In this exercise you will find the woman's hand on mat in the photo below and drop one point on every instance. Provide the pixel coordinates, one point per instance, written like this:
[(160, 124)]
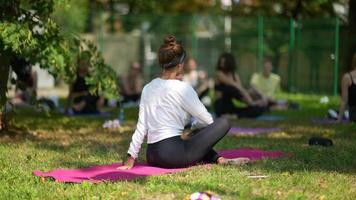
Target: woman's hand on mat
[(130, 162)]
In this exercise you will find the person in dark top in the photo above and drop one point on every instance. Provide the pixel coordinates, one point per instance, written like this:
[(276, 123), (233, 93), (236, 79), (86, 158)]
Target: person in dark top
[(348, 93), (228, 87), (79, 98), (26, 83), (197, 79)]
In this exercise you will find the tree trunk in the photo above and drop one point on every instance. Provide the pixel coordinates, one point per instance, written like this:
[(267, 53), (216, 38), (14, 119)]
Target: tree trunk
[(349, 40), (4, 71)]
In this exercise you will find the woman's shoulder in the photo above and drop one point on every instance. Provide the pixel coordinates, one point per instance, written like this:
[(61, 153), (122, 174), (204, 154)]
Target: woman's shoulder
[(275, 76), (170, 84), (180, 88), (221, 74), (180, 84), (346, 77)]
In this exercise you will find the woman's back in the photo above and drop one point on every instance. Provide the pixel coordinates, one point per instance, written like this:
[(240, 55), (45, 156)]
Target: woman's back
[(167, 106), (352, 91)]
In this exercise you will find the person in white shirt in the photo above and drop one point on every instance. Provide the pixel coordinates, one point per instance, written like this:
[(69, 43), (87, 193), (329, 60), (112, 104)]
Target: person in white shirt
[(166, 107), (197, 79), (131, 84)]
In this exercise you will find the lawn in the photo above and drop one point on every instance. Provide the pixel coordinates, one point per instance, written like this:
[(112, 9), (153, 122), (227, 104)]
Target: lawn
[(46, 142)]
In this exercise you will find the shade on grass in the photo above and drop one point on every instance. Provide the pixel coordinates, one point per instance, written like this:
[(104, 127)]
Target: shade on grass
[(57, 141)]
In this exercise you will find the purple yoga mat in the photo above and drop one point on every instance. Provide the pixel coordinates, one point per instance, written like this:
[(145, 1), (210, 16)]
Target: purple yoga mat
[(250, 131), (105, 173)]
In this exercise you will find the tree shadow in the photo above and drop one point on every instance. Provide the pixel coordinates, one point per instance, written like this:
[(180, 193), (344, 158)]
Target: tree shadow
[(299, 155), (293, 141)]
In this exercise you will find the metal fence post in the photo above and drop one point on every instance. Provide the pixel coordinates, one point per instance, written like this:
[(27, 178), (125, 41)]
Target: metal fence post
[(260, 43), (101, 32), (227, 32), (291, 52), (194, 37), (336, 55)]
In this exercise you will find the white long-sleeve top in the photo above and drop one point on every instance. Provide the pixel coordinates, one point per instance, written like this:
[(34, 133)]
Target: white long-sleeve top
[(166, 106)]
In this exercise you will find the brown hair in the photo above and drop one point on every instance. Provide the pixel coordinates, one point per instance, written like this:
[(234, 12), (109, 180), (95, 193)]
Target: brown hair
[(354, 61), (267, 59), (226, 63), (171, 53)]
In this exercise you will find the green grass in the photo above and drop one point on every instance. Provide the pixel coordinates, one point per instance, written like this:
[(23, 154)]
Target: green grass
[(56, 141)]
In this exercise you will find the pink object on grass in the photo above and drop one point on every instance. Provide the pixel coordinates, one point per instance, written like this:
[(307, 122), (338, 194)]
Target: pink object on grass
[(105, 173)]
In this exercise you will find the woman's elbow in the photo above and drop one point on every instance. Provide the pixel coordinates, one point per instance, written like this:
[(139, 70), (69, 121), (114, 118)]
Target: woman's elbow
[(343, 103)]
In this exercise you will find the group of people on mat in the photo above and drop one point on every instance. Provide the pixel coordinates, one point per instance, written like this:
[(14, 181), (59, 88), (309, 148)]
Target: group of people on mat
[(82, 102), (259, 98), (228, 88)]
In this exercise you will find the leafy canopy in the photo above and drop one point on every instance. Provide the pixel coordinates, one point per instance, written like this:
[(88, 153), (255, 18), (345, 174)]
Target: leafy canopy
[(28, 31)]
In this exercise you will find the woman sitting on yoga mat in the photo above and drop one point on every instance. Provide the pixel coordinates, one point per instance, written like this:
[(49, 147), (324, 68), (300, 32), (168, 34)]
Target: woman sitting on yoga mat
[(166, 106), (348, 93), (79, 100), (228, 87)]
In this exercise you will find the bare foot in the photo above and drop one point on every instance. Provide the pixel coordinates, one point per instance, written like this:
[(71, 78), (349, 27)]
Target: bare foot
[(233, 161)]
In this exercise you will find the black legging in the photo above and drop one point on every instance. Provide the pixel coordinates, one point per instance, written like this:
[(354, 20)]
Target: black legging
[(352, 113), (175, 153), (224, 104), (132, 97), (90, 104)]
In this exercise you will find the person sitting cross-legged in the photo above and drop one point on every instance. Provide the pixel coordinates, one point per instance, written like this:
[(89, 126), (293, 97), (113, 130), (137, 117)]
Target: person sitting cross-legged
[(266, 84), (348, 93), (228, 87), (166, 107), (79, 100)]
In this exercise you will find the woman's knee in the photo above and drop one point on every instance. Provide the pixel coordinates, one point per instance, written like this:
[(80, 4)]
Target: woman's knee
[(223, 123)]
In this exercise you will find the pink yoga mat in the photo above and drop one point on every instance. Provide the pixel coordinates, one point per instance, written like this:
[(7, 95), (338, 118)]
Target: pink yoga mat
[(250, 131), (105, 173)]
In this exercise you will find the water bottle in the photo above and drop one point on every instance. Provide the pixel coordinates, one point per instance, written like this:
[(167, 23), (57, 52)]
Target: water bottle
[(121, 115)]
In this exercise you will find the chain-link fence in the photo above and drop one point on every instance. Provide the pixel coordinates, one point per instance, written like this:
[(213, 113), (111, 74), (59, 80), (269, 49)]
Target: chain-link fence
[(304, 53)]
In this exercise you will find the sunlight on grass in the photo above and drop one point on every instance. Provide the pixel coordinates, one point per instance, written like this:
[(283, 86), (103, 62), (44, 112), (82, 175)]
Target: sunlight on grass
[(55, 141)]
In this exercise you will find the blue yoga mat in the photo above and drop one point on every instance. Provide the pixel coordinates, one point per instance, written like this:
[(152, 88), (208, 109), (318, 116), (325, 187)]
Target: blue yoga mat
[(271, 118), (97, 114)]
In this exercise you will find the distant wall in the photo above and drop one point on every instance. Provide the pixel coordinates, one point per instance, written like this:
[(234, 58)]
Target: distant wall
[(118, 49)]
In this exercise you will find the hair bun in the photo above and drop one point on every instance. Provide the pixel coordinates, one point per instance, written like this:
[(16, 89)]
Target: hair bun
[(170, 40)]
